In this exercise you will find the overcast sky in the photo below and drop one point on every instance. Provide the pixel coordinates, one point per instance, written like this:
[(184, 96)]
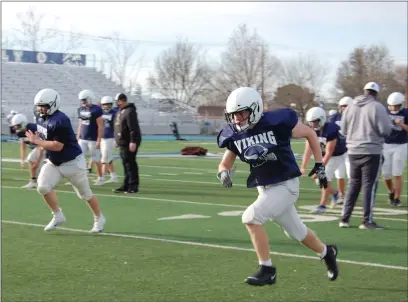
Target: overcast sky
[(330, 30)]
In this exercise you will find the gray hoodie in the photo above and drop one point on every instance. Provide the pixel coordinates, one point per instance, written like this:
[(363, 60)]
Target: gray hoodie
[(365, 123)]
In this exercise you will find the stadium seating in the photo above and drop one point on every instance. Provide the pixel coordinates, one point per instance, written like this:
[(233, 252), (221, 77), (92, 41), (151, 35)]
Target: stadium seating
[(21, 81)]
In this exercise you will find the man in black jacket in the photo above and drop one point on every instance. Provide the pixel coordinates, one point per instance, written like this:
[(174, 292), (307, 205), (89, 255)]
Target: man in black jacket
[(128, 138)]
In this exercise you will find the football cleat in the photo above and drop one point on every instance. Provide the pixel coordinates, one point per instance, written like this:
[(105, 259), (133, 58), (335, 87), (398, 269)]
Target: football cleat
[(57, 220), (331, 262), (266, 275), (99, 224)]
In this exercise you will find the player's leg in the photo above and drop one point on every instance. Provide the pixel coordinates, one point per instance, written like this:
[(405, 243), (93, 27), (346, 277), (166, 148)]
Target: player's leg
[(48, 178), (399, 159), (297, 230), (76, 172), (340, 175), (353, 190), (107, 158), (331, 166), (96, 158), (272, 201), (32, 159), (387, 170)]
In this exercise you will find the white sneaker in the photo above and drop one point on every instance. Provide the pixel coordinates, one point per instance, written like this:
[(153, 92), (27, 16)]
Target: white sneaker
[(57, 220), (99, 223), (30, 185), (99, 182), (113, 179), (344, 224)]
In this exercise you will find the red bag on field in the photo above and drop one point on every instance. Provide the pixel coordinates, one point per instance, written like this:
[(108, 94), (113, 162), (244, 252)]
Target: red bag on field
[(193, 151)]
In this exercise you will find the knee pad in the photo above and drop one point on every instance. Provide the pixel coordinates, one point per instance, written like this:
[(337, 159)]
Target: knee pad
[(43, 189), (250, 216), (297, 233), (85, 195)]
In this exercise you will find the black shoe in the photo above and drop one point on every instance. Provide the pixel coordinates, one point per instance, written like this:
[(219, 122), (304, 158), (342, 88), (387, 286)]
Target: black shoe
[(265, 275), (119, 190), (331, 263), (132, 191), (90, 170), (391, 198), (366, 225), (396, 203)]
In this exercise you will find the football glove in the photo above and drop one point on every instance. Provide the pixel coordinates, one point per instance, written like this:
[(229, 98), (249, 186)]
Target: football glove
[(226, 178), (319, 170)]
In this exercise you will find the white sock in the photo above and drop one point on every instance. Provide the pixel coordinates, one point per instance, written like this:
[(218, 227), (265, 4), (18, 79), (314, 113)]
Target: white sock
[(322, 254), (113, 174), (266, 262)]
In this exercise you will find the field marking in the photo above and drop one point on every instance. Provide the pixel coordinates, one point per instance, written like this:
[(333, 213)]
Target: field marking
[(227, 247), (193, 173), (209, 183), (300, 211), (168, 174)]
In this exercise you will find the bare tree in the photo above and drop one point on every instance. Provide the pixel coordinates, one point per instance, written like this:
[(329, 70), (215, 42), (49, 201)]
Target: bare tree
[(181, 74), (30, 32), (297, 97), (401, 76), (120, 54), (366, 64), (6, 41), (307, 71), (246, 62)]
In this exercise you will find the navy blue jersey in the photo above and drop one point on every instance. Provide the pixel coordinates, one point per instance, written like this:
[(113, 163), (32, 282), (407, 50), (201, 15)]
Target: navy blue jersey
[(21, 135), (335, 118), (57, 127), (108, 121), (398, 135), (89, 127), (331, 131), (266, 148)]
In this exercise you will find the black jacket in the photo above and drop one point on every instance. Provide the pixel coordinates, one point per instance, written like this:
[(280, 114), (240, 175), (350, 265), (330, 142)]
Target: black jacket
[(127, 129)]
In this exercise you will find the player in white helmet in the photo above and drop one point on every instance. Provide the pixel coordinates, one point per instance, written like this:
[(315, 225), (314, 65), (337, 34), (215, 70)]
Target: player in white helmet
[(36, 156), (262, 140), (108, 140), (395, 148), (333, 148), (65, 159), (90, 130), (332, 112), (9, 117)]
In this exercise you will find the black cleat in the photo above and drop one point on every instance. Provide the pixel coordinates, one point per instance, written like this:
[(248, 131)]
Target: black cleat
[(366, 225), (391, 198), (396, 203), (331, 263), (265, 275), (119, 190)]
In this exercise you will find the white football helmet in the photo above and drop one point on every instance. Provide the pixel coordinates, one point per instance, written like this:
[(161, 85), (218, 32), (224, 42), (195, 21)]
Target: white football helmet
[(345, 101), (13, 112), (332, 112), (47, 97), (241, 99), (106, 100), (395, 99), (19, 121), (316, 114), (372, 86), (86, 96)]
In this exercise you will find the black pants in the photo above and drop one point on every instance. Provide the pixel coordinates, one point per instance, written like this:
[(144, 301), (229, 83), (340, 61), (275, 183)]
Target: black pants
[(130, 167), (364, 173)]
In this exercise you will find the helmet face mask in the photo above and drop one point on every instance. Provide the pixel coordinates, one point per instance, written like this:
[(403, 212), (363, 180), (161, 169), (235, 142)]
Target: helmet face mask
[(239, 120), (316, 118), (395, 101), (46, 102)]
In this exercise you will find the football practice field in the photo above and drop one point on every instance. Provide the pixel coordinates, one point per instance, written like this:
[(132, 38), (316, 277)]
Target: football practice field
[(181, 239)]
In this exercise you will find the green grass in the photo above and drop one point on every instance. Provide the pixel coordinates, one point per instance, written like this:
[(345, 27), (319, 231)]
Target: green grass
[(142, 258)]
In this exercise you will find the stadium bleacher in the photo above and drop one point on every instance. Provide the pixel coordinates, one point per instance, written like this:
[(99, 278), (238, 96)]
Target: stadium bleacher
[(21, 82)]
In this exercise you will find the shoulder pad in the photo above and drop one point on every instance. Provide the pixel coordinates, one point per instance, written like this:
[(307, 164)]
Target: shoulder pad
[(223, 137)]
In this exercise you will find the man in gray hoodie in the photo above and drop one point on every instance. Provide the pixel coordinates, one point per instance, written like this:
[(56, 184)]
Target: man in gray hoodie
[(365, 124)]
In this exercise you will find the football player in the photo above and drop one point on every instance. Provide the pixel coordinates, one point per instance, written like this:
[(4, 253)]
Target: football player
[(108, 140), (9, 117), (90, 130), (36, 156), (54, 133), (333, 148), (344, 169), (395, 147), (262, 139)]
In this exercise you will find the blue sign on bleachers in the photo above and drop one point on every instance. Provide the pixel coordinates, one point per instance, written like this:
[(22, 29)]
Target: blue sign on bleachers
[(42, 57)]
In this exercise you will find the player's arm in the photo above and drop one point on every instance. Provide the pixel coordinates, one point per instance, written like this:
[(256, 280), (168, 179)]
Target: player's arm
[(227, 161), (306, 157), (99, 123), (23, 149), (40, 158), (303, 131), (59, 135), (330, 146), (79, 129)]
